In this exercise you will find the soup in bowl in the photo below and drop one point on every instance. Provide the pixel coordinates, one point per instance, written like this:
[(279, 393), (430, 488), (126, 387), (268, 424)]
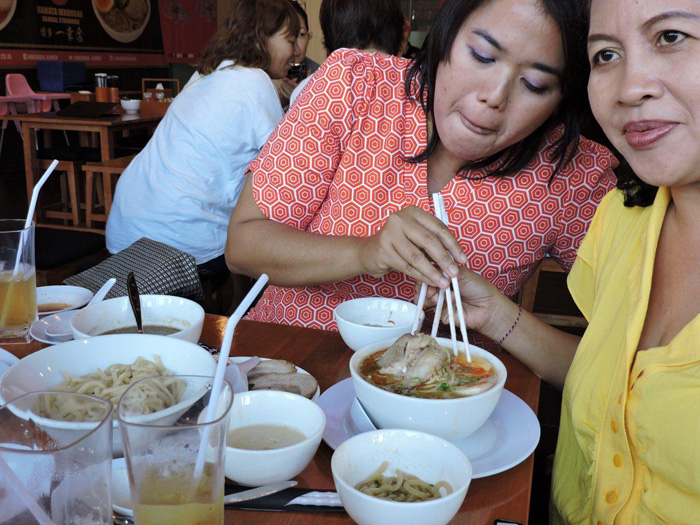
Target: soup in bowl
[(416, 383)]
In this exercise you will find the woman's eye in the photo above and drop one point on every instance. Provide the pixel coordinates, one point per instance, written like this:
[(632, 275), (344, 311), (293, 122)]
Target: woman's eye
[(480, 58), (604, 56), (668, 38), (538, 90)]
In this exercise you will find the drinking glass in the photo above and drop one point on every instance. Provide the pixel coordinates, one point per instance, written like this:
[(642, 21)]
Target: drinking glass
[(55, 469), (17, 281), (163, 447)]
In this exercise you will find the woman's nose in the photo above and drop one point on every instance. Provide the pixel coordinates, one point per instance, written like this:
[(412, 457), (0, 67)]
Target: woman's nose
[(637, 84), (495, 93)]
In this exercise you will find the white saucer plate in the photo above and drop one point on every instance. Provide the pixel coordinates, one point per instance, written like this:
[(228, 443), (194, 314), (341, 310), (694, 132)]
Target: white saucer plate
[(38, 328), (507, 438), (6, 361), (72, 296), (242, 359)]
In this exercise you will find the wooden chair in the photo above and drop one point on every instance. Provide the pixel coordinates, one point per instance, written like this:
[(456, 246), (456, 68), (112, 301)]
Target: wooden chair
[(109, 172), (69, 206), (529, 293)]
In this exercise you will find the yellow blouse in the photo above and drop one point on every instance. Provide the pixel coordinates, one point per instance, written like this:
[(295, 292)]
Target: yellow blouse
[(629, 441)]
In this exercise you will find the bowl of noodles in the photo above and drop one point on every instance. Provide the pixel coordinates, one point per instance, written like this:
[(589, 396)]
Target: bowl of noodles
[(105, 367), (123, 20), (416, 383), (400, 476)]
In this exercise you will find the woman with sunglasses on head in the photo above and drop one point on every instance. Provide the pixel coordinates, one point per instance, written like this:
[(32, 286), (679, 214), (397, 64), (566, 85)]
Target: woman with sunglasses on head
[(181, 189), (489, 115), (630, 421)]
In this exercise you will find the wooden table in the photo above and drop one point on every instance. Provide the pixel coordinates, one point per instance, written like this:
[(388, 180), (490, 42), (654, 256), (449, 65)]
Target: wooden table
[(105, 128), (326, 357)]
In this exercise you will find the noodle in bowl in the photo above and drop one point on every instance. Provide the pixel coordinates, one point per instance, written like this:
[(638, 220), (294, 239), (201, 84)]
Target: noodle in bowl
[(451, 419), (428, 457), (44, 371)]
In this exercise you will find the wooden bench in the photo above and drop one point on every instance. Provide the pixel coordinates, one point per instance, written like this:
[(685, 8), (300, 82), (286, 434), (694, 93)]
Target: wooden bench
[(110, 171)]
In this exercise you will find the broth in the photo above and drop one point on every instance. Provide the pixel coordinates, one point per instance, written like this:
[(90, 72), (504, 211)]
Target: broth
[(459, 378), (264, 437), (147, 329), (52, 307)]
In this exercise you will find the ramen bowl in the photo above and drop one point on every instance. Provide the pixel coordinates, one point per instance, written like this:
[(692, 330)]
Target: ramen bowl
[(269, 407), (451, 419), (43, 370), (370, 319), (130, 106), (108, 14), (430, 458), (183, 316)]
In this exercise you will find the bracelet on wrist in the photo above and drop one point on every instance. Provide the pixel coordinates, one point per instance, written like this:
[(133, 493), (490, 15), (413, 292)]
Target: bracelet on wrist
[(512, 327)]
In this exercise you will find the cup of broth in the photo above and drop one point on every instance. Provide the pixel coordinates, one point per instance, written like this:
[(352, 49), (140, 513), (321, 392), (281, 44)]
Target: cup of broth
[(18, 308), (176, 468)]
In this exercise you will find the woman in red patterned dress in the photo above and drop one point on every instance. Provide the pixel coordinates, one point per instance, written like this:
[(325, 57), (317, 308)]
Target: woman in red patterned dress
[(337, 204)]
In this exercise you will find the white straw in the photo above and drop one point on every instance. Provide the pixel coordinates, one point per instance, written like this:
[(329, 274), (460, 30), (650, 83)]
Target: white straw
[(419, 307), (30, 213), (221, 369), (28, 500), (438, 313)]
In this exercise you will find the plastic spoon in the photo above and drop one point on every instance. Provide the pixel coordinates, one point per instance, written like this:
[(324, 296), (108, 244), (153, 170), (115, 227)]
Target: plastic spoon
[(61, 331)]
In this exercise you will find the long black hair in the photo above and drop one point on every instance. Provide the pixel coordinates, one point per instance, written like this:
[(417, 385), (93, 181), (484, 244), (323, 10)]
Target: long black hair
[(569, 15)]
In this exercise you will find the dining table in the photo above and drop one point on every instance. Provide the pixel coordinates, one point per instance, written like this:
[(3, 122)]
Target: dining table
[(106, 128), (324, 355)]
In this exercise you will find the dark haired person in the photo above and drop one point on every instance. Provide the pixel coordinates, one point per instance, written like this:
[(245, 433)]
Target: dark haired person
[(368, 25), (338, 204), (627, 451), (181, 189)]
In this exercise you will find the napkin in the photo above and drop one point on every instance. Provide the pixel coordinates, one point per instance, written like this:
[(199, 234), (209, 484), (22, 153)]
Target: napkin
[(292, 500)]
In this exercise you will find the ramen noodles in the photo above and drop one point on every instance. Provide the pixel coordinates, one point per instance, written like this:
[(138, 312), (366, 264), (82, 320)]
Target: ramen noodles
[(124, 16), (403, 487), (110, 384)]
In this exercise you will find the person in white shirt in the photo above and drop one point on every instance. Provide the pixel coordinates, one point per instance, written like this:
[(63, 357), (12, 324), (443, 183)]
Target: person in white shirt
[(367, 25), (181, 189)]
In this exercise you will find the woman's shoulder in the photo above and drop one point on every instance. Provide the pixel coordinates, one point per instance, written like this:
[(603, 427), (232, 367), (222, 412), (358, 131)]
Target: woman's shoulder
[(360, 62)]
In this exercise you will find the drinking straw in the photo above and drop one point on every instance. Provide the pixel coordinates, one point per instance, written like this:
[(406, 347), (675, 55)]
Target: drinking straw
[(28, 500), (455, 286), (30, 213), (419, 307), (220, 370)]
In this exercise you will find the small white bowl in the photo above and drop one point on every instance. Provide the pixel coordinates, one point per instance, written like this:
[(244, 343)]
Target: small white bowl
[(71, 296), (159, 310), (451, 419), (430, 458), (131, 106), (260, 467), (43, 370), (370, 319)]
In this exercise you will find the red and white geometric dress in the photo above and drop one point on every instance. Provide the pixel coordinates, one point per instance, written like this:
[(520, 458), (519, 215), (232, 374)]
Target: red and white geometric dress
[(336, 165)]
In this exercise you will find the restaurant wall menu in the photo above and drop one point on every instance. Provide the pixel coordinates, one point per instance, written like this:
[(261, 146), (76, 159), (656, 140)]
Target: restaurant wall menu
[(108, 32)]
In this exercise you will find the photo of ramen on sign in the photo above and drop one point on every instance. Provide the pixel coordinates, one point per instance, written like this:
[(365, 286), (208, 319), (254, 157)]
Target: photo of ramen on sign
[(123, 20)]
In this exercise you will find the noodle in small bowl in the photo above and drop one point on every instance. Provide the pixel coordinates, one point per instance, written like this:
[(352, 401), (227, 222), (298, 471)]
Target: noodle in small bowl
[(428, 457), (449, 418), (44, 371)]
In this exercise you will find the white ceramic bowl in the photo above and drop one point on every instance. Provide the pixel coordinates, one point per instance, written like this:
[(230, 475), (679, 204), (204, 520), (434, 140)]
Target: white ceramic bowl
[(451, 419), (430, 458), (370, 319), (43, 370), (260, 467), (122, 36), (161, 310), (131, 106), (71, 296)]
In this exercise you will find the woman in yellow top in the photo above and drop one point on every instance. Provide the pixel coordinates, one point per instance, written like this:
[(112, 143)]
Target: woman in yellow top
[(628, 449)]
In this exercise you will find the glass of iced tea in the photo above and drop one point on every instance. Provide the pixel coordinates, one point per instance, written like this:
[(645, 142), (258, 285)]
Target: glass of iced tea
[(164, 443), (17, 281)]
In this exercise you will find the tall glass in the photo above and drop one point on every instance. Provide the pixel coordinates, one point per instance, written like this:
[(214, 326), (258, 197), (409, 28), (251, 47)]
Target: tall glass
[(17, 281), (163, 447), (54, 469)]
